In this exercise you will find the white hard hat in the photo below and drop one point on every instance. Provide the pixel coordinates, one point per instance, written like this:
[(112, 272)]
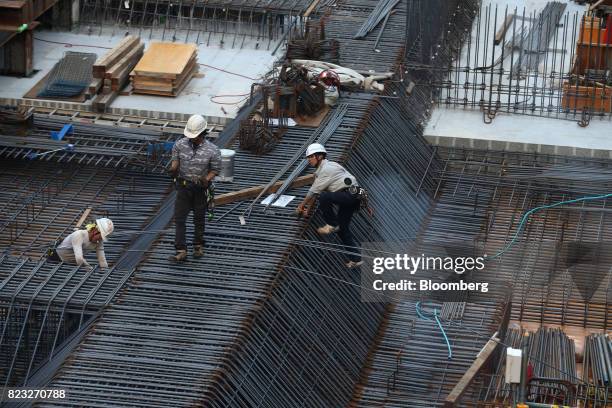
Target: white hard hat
[(105, 226), (195, 125), (315, 148)]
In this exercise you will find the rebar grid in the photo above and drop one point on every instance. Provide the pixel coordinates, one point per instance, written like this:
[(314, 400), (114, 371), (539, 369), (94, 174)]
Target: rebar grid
[(205, 304), (42, 302), (536, 69), (94, 145), (229, 23)]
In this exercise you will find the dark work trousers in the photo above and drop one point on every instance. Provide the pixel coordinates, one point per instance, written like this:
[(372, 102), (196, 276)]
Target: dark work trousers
[(347, 205), (189, 198)]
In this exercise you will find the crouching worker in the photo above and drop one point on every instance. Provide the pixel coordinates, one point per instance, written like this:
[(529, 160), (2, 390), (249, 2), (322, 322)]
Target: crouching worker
[(75, 245), (333, 185)]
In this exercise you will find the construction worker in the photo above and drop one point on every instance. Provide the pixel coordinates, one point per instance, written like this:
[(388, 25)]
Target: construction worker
[(75, 245), (332, 185), (195, 162)]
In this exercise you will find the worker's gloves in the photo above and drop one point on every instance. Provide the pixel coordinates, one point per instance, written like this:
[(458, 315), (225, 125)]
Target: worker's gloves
[(204, 182), (302, 211), (200, 181)]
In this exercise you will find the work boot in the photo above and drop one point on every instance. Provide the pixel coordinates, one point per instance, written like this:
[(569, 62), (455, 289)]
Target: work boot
[(327, 229), (198, 251), (180, 255)]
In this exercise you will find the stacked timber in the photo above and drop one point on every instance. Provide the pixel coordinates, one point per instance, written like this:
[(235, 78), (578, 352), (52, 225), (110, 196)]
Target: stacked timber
[(165, 69), (111, 72)]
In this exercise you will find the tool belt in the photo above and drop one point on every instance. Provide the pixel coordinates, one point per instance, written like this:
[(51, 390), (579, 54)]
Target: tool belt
[(362, 196), (210, 193), (181, 182)]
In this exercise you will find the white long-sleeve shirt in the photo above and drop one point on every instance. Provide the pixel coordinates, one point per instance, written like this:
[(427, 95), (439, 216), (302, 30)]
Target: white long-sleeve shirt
[(73, 247)]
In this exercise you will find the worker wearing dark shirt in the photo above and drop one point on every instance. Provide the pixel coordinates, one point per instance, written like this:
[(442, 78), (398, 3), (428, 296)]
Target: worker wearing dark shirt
[(195, 162)]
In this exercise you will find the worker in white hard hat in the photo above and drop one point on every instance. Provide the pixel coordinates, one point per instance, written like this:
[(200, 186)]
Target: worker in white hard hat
[(333, 185), (195, 162), (75, 245)]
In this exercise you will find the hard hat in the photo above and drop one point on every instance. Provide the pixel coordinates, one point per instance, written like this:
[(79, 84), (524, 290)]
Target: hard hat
[(105, 226), (315, 148), (329, 78), (195, 125)]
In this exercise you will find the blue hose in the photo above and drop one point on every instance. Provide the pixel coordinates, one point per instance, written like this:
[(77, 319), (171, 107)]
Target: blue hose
[(542, 207), (435, 315)]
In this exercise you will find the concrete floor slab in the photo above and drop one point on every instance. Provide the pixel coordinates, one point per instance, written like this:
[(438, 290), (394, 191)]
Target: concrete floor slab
[(453, 126)]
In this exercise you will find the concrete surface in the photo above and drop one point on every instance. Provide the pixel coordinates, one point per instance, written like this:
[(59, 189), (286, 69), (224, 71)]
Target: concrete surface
[(466, 128), (218, 75)]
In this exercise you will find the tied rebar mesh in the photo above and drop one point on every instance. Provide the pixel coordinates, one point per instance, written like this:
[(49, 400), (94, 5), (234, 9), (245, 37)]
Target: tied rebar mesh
[(70, 76)]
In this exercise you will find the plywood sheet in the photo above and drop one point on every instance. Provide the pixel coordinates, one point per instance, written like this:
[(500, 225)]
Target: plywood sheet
[(144, 81), (165, 58), (174, 92)]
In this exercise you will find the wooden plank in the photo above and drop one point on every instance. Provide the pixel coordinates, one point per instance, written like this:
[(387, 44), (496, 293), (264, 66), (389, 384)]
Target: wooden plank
[(83, 218), (165, 86), (173, 90), (483, 357), (130, 59), (114, 55), (119, 82), (94, 86), (175, 79), (311, 8), (169, 77), (253, 192), (501, 33), (166, 58), (101, 102), (12, 4)]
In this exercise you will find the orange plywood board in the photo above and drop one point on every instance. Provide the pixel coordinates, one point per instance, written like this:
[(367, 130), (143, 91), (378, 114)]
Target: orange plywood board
[(165, 58)]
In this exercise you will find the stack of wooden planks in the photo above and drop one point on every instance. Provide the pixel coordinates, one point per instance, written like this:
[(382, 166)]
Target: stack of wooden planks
[(165, 69), (111, 71)]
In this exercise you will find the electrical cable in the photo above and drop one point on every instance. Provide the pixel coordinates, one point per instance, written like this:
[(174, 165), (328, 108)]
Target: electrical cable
[(73, 45), (231, 73), (245, 97), (450, 322), (542, 207), (435, 315)]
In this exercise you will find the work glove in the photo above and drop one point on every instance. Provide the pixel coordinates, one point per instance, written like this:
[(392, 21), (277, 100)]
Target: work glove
[(203, 182), (302, 211)]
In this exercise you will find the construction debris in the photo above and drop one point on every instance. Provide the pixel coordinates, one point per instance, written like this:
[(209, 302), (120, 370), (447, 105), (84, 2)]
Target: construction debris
[(349, 78), (165, 69)]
